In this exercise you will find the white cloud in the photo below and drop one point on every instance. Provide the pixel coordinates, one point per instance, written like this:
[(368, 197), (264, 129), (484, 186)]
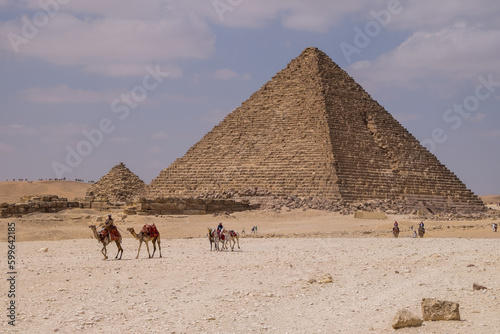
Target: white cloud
[(316, 16), (120, 140), (4, 148), (228, 74), (450, 54), (18, 130), (429, 15), (64, 94), (116, 38), (490, 133), (63, 134), (477, 117), (160, 135), (155, 151)]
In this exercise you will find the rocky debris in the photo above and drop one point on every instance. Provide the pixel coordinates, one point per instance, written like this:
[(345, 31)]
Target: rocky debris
[(405, 318), (281, 203), (434, 310), (43, 250), (321, 279), (119, 185), (476, 286)]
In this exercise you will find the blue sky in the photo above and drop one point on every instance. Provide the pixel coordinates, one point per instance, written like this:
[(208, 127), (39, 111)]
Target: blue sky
[(85, 85)]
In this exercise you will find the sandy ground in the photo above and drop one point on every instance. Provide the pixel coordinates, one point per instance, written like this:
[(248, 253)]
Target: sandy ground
[(272, 284), (264, 287)]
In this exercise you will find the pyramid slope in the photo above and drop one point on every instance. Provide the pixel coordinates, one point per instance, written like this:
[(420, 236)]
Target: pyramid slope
[(276, 140), (312, 131), (119, 185)]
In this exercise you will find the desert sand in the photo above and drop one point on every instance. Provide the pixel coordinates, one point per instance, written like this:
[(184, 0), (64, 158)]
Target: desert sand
[(302, 272), (12, 191)]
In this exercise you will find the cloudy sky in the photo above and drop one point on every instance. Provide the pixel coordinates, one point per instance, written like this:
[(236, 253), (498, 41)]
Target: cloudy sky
[(86, 84)]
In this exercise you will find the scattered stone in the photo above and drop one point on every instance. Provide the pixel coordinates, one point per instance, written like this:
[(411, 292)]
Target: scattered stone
[(433, 310), (326, 279), (405, 318), (478, 287), (43, 250)]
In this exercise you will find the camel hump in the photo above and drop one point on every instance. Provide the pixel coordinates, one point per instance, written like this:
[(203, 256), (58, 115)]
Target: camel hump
[(150, 230)]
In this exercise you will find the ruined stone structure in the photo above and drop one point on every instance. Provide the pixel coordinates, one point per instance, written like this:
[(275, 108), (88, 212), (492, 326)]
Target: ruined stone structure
[(36, 203), (188, 206), (119, 185), (312, 131)]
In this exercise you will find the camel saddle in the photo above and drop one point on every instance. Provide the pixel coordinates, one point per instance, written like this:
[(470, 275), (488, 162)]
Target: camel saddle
[(150, 230), (113, 233), (232, 233)]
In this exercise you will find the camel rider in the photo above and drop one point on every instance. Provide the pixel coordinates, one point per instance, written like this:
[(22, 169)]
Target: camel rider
[(396, 224), (108, 224), (220, 228), (422, 226)]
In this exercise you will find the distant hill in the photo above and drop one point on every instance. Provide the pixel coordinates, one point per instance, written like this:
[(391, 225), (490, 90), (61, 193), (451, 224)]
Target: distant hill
[(490, 199), (12, 191)]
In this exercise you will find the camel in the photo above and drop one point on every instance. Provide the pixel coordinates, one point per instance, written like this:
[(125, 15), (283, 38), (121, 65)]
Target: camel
[(148, 233), (231, 237), (213, 237), (421, 231), (395, 231), (106, 238)]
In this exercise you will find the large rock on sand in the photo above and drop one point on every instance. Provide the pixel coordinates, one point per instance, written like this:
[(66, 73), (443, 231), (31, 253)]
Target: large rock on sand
[(405, 318), (433, 309)]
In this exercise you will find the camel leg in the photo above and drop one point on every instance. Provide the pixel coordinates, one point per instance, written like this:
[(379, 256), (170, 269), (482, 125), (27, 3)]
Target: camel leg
[(154, 247), (238, 240), (159, 246), (147, 247), (104, 252), (120, 250), (140, 244)]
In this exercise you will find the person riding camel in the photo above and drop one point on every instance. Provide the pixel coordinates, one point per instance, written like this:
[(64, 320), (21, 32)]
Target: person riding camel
[(396, 224), (107, 226), (109, 223), (220, 228)]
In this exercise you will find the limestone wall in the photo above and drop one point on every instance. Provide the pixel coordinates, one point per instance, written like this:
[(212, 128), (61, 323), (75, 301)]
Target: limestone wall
[(191, 206)]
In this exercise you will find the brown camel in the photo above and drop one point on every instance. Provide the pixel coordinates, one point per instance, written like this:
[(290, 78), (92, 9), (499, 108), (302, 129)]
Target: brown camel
[(148, 233), (421, 231), (395, 231), (106, 238)]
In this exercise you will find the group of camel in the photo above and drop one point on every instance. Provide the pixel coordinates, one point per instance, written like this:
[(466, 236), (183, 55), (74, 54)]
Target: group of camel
[(148, 233), (220, 239)]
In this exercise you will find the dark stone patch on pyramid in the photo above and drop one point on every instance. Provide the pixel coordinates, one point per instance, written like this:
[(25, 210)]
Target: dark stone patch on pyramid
[(312, 131), (119, 185)]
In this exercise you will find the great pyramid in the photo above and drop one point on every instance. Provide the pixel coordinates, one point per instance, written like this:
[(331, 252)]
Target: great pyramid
[(312, 131), (119, 185)]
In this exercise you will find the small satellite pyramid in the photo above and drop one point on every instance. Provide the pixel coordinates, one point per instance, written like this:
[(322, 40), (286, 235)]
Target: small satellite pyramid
[(312, 131), (119, 185)]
